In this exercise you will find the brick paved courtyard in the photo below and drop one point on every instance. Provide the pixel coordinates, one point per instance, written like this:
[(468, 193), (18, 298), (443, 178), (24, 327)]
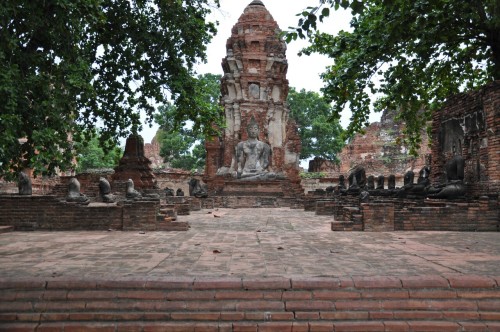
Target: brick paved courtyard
[(248, 243)]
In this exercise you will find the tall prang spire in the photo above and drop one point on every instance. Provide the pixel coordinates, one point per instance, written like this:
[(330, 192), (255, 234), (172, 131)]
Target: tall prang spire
[(256, 3), (254, 85)]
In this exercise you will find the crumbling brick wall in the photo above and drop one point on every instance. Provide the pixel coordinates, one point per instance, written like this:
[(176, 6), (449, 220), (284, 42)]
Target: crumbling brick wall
[(470, 124), (377, 150)]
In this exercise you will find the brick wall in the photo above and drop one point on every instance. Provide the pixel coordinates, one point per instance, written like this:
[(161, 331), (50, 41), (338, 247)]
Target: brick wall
[(49, 213), (237, 201), (398, 214), (313, 184), (174, 180), (7, 187), (481, 215), (378, 217), (89, 184), (41, 185)]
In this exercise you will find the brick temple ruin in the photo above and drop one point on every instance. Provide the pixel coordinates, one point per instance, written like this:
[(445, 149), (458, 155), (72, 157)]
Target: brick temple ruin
[(254, 91), (377, 150), (454, 185), (457, 188)]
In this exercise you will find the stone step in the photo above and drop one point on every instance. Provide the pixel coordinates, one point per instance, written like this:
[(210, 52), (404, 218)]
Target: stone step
[(169, 213), (6, 229), (252, 325), (413, 303), (254, 201), (345, 226)]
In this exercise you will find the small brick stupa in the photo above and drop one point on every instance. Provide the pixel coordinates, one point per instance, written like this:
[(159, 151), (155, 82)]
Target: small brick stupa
[(254, 91), (134, 165)]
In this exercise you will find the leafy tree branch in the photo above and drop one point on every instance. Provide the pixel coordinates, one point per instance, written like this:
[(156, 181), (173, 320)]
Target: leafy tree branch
[(412, 54), (71, 66)]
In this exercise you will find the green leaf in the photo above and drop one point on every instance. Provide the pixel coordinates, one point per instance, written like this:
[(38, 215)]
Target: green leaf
[(325, 12)]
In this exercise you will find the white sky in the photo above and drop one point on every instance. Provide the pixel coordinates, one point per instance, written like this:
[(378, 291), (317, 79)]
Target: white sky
[(303, 72)]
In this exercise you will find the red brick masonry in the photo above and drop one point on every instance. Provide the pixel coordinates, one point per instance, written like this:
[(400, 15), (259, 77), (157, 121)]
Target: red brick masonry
[(378, 303), (29, 213)]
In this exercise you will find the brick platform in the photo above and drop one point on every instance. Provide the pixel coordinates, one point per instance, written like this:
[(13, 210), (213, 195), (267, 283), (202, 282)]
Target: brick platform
[(30, 213)]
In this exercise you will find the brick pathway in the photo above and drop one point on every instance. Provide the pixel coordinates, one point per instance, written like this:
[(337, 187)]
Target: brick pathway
[(248, 243)]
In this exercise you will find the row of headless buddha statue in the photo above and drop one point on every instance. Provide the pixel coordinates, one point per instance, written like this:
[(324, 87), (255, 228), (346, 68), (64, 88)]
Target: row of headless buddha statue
[(452, 188), (131, 193), (253, 161), (74, 194)]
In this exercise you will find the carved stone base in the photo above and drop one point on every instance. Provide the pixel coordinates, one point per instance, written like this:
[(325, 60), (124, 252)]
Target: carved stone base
[(236, 202), (223, 186), (253, 188)]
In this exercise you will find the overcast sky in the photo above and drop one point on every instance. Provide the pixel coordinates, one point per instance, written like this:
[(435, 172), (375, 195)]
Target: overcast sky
[(303, 72)]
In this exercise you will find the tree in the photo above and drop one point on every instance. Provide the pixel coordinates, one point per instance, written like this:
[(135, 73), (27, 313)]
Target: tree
[(92, 155), (181, 146), (173, 142), (319, 137), (420, 51), (193, 161), (71, 66)]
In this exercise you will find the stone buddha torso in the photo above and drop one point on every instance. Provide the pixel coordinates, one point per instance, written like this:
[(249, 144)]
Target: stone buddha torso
[(252, 155)]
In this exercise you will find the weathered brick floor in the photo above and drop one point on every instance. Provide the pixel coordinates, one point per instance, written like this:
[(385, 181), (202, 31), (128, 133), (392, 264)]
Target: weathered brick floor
[(248, 243)]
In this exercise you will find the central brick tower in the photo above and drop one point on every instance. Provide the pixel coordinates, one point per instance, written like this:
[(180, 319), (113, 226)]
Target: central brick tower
[(254, 86)]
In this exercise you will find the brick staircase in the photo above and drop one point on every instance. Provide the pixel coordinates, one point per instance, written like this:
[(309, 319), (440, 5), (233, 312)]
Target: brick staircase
[(431, 303), (167, 219), (352, 220)]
